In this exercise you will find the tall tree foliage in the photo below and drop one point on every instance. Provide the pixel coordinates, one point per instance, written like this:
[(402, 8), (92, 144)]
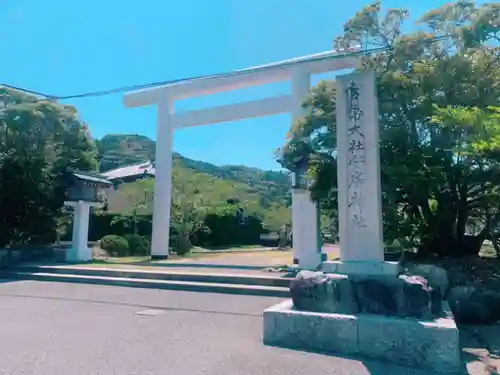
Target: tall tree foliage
[(188, 211), (39, 139), (439, 128), (140, 195)]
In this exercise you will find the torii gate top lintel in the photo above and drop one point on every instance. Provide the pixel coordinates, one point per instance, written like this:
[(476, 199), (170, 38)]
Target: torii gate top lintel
[(298, 71), (255, 76)]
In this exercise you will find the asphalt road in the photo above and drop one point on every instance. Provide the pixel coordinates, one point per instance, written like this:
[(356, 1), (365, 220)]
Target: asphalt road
[(70, 329)]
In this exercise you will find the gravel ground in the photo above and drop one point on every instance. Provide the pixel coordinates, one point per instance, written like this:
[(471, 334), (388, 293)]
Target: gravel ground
[(58, 328), (262, 258)]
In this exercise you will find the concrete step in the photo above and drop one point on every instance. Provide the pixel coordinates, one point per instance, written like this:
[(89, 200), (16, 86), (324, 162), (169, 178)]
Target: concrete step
[(162, 274), (192, 286)]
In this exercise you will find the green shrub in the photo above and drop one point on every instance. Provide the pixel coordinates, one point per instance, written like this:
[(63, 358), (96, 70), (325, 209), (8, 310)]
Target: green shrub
[(138, 245), (114, 245)]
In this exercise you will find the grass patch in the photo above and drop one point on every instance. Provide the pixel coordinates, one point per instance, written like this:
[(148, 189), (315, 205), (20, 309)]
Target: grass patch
[(123, 260), (241, 248)]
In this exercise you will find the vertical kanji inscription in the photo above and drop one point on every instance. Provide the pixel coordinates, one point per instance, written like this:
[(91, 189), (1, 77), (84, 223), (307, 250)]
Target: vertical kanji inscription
[(356, 156)]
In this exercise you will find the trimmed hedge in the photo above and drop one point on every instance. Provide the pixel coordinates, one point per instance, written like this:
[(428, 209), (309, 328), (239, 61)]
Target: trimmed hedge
[(228, 230), (115, 246), (138, 245), (100, 226), (225, 230)]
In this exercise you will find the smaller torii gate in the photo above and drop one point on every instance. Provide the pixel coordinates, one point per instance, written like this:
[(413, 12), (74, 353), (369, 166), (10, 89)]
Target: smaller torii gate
[(368, 236)]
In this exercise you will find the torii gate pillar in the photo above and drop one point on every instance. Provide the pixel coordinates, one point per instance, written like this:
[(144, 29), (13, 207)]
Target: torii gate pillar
[(307, 244), (163, 179)]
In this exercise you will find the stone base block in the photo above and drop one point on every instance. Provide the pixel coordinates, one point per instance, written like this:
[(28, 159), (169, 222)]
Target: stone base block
[(430, 345), (362, 268), (159, 257), (78, 255), (322, 257)]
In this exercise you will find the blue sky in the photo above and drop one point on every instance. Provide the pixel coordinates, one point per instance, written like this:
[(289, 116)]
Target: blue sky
[(65, 47)]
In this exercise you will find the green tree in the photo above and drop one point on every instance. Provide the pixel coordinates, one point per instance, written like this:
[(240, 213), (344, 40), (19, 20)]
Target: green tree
[(188, 211), (39, 139), (438, 131), (139, 196), (277, 216)]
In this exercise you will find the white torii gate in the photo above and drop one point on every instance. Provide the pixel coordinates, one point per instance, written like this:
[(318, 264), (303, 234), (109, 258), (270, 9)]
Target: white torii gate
[(299, 71)]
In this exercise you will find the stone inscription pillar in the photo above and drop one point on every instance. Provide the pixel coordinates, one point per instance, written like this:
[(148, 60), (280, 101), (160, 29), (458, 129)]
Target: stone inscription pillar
[(358, 166)]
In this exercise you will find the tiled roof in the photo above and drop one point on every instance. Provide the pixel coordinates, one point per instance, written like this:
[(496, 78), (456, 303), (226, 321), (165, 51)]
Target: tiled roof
[(130, 170), (90, 177)]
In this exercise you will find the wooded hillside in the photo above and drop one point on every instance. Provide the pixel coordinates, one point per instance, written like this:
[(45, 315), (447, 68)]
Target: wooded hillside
[(264, 194)]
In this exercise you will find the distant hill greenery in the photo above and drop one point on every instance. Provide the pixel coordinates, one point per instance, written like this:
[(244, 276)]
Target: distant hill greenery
[(264, 194), (119, 150)]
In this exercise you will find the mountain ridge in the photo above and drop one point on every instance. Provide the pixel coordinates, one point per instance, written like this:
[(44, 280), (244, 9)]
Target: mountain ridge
[(119, 150)]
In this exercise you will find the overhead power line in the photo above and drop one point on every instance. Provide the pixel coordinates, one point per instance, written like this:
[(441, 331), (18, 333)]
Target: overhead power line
[(35, 93), (220, 75)]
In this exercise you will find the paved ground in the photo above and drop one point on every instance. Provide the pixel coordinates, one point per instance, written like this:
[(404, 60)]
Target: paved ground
[(57, 328), (253, 258), (190, 267), (481, 349)]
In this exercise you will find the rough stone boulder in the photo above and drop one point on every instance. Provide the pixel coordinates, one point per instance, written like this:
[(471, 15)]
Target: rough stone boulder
[(436, 276), (320, 292), (404, 296), (474, 305)]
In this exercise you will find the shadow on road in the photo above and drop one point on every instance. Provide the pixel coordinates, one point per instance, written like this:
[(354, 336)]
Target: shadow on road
[(4, 280), (375, 367), (163, 308), (481, 348)]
